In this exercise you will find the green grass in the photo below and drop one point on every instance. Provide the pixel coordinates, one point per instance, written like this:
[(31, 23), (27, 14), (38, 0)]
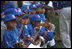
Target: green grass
[(55, 21)]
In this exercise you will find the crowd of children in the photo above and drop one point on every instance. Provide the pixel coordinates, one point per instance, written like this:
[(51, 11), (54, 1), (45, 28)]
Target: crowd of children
[(27, 26)]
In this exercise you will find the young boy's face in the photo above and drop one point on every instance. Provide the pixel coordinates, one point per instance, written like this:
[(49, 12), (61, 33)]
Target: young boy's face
[(11, 23), (41, 10), (26, 12), (25, 21), (18, 18), (33, 12), (36, 23)]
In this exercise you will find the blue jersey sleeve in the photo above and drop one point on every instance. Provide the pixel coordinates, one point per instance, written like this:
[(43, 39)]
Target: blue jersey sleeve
[(41, 31), (7, 43)]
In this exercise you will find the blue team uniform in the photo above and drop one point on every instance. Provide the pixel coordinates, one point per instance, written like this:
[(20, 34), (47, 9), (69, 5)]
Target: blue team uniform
[(37, 17), (27, 31), (10, 37)]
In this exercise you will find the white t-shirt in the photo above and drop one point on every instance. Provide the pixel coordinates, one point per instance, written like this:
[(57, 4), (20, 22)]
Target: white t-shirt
[(34, 46)]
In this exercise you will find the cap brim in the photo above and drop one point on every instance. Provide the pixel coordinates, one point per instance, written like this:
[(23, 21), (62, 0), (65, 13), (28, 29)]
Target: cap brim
[(28, 10), (10, 19), (18, 13)]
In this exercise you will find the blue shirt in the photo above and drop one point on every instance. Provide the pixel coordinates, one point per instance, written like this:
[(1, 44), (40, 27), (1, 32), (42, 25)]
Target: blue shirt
[(27, 31), (49, 34), (30, 30), (18, 26), (10, 37), (41, 31)]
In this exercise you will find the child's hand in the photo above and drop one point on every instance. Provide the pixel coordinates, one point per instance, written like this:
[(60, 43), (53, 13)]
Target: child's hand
[(21, 41)]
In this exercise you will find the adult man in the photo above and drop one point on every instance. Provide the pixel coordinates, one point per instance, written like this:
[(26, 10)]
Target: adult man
[(63, 9)]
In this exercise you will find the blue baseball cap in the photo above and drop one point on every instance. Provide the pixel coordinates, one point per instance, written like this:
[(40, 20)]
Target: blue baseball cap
[(50, 35), (35, 17), (24, 7), (43, 16), (33, 6), (8, 11), (15, 11), (28, 10), (38, 5), (9, 17)]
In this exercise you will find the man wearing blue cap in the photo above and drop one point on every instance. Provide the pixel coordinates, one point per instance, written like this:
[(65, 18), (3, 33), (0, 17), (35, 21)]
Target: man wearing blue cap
[(10, 36)]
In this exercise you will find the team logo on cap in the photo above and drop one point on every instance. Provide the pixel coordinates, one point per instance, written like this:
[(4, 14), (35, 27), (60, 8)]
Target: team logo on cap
[(13, 16), (16, 10), (34, 5), (38, 16), (38, 3), (19, 10), (27, 7)]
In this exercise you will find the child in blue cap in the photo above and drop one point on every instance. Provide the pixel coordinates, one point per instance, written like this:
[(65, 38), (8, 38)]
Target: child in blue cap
[(10, 36), (27, 30), (33, 7), (29, 9), (26, 9), (17, 12), (41, 10), (10, 23), (43, 31)]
